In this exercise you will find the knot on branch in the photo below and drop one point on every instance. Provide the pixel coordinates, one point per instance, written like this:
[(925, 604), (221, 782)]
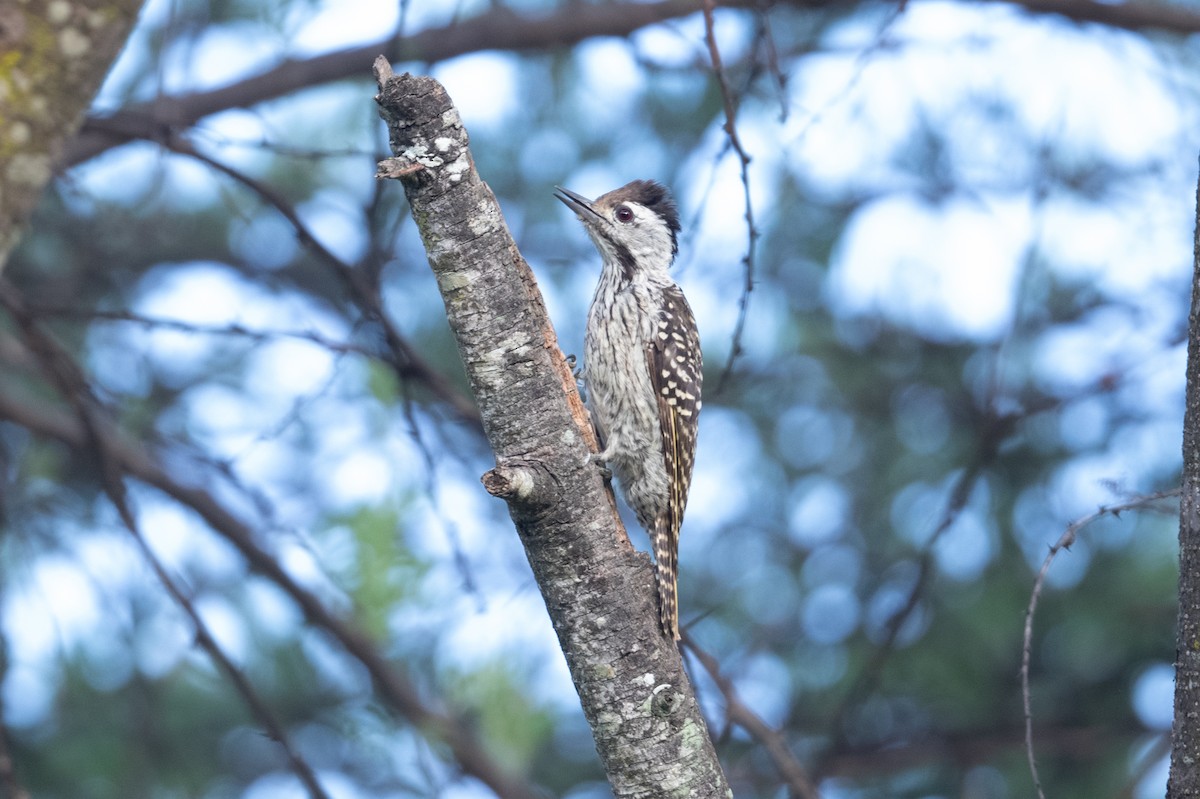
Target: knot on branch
[(665, 701), (526, 484)]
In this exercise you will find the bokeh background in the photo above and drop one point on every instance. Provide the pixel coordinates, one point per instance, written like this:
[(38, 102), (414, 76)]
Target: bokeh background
[(971, 279)]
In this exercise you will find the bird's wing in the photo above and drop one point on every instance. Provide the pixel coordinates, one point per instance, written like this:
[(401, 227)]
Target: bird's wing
[(676, 374)]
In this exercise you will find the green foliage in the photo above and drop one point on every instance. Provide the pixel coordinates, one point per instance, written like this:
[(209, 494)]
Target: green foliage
[(495, 698), (384, 574)]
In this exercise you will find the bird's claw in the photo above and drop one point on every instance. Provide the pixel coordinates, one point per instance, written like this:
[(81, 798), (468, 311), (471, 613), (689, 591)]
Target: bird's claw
[(594, 457)]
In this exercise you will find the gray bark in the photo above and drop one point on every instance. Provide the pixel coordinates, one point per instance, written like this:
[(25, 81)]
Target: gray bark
[(1184, 778), (598, 590)]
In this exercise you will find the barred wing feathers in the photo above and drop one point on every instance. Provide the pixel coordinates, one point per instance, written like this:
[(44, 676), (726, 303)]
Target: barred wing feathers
[(676, 373)]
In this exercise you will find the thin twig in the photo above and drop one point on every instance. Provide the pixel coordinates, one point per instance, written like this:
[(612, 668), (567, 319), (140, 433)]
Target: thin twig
[(967, 747), (861, 60), (1064, 542), (735, 142), (430, 484), (233, 330), (779, 77), (795, 776), (689, 254), (222, 466)]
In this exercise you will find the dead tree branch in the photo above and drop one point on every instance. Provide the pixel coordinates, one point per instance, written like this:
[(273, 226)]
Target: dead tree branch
[(599, 592)]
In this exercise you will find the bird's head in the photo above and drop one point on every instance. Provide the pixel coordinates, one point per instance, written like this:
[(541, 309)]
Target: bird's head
[(635, 227)]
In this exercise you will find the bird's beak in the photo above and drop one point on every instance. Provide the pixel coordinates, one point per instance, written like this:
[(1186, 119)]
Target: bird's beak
[(581, 205)]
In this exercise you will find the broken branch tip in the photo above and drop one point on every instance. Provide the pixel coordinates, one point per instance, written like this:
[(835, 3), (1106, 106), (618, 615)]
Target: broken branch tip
[(382, 69)]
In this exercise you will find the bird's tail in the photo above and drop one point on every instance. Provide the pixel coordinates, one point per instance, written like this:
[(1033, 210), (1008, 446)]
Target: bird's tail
[(666, 575)]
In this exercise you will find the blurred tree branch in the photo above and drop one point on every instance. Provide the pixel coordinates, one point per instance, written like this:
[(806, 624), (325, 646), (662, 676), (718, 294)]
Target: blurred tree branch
[(981, 745), (10, 786), (56, 53), (400, 355), (641, 707), (72, 383), (1133, 16), (500, 28), (800, 783), (134, 460), (995, 428)]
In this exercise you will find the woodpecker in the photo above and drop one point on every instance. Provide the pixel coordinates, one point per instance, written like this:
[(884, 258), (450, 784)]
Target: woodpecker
[(642, 366)]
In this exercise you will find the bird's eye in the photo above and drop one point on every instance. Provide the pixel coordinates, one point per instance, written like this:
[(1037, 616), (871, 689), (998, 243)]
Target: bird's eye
[(624, 213)]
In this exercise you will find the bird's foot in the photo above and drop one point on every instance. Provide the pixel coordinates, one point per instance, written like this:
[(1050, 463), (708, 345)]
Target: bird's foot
[(602, 462)]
